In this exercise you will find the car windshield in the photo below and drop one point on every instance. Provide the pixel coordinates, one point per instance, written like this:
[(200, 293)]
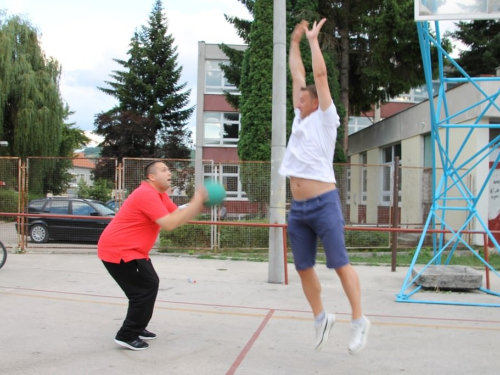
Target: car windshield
[(103, 209)]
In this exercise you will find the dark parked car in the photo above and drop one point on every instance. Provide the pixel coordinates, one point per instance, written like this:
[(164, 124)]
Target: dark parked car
[(42, 229), (114, 204)]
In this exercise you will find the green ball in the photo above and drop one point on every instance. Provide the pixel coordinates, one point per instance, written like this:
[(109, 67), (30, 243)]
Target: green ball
[(216, 193)]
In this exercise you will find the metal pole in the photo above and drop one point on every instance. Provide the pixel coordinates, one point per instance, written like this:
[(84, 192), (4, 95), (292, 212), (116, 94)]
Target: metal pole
[(278, 145), (487, 259), (395, 214)]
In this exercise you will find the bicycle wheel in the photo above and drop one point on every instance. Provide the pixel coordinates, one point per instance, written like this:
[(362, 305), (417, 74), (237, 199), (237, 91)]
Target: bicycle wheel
[(3, 254)]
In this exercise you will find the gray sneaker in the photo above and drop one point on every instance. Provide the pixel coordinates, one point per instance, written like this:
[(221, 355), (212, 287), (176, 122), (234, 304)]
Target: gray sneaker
[(359, 336), (323, 331)]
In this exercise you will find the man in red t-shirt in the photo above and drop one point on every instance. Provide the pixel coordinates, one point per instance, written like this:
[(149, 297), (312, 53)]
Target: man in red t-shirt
[(125, 244)]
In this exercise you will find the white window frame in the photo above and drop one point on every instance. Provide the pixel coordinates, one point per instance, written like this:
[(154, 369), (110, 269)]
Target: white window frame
[(364, 177), (221, 173), (355, 125), (386, 195), (348, 182), (221, 121), (213, 66)]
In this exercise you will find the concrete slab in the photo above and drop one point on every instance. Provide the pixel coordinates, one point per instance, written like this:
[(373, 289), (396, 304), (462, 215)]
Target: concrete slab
[(448, 277), (59, 314)]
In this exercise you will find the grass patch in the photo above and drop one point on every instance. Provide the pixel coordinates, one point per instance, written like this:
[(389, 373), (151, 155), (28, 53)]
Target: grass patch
[(366, 258), (425, 256)]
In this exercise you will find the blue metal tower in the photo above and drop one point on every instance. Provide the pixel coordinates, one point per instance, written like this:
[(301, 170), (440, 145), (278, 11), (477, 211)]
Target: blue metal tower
[(455, 169)]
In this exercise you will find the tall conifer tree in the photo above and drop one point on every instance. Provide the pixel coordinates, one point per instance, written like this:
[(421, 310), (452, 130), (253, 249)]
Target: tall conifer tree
[(151, 117), (482, 39)]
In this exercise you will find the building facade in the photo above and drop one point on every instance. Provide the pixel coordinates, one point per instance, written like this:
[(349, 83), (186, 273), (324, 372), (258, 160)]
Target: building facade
[(217, 125), (407, 135)]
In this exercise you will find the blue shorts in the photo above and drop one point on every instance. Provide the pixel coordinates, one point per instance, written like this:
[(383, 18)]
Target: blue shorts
[(319, 217)]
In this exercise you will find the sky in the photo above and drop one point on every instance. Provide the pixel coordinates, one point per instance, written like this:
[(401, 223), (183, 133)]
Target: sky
[(85, 37)]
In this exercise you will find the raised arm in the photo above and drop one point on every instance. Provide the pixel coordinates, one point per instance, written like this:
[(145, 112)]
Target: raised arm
[(319, 66), (295, 62)]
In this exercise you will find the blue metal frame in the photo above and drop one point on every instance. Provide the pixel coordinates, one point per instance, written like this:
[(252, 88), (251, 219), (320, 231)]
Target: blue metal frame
[(454, 172)]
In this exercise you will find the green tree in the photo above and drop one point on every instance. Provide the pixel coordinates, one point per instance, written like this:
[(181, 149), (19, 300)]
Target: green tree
[(482, 39), (256, 87), (92, 152), (55, 174), (31, 108), (101, 190), (72, 138), (150, 119), (379, 50), (83, 189), (32, 113), (373, 44), (251, 72)]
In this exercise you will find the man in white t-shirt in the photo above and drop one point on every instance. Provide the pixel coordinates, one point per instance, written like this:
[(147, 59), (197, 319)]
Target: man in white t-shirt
[(316, 210)]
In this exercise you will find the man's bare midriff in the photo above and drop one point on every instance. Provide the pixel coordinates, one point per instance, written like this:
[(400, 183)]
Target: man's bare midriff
[(303, 188)]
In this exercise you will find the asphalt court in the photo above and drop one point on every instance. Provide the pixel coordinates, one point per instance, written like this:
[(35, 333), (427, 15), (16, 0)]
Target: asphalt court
[(59, 314)]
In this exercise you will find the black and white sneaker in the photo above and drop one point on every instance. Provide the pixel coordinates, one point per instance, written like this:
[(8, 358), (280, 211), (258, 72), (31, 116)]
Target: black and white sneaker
[(136, 344), (146, 335)]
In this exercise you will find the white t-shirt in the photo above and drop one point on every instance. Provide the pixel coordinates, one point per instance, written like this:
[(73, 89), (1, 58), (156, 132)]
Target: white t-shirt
[(310, 149)]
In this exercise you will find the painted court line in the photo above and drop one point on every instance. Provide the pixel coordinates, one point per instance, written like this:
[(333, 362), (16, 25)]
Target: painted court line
[(257, 315), (249, 344), (382, 316)]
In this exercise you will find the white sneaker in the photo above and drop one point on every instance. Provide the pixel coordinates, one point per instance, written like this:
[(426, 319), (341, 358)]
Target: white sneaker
[(323, 331), (359, 336)]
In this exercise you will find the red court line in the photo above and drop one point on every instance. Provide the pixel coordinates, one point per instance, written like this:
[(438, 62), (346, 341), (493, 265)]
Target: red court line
[(250, 343), (386, 316)]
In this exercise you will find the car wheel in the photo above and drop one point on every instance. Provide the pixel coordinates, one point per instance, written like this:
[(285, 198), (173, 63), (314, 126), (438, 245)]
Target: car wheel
[(39, 233)]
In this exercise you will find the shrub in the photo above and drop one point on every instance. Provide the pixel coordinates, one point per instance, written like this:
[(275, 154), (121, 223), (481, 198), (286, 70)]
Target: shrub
[(231, 237), (8, 200), (355, 238)]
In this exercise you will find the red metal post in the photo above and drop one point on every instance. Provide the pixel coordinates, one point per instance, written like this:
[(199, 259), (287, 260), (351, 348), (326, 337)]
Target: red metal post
[(285, 254), (486, 258)]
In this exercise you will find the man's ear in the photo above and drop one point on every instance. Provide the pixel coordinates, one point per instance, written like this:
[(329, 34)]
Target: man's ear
[(316, 104)]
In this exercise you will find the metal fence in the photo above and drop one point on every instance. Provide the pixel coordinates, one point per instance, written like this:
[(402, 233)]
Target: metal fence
[(368, 194)]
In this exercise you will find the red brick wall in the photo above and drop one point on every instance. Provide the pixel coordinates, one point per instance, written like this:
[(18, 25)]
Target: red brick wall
[(217, 103), (361, 214), (220, 154), (390, 109)]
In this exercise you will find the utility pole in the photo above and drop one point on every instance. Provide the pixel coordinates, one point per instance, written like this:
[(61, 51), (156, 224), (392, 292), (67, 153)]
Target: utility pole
[(277, 213)]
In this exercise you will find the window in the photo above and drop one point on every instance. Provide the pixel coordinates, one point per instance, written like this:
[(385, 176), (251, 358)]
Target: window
[(221, 128), (36, 206), (58, 207), (230, 176), (348, 180), (83, 209), (215, 82), (358, 123), (389, 154), (364, 177), (494, 132), (428, 150)]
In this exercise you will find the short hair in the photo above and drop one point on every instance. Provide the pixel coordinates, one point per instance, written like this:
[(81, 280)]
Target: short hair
[(148, 169), (311, 89)]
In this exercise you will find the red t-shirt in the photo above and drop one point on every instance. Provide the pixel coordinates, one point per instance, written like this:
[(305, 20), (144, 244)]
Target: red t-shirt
[(133, 231)]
